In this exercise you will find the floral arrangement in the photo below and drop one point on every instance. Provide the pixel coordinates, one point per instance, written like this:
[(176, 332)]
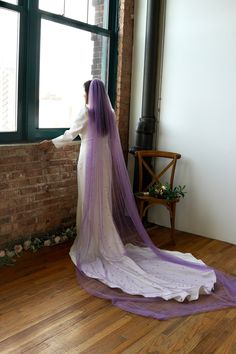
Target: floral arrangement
[(158, 190), (164, 191), (14, 249)]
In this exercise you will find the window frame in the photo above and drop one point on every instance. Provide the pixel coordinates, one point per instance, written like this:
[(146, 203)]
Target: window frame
[(29, 63)]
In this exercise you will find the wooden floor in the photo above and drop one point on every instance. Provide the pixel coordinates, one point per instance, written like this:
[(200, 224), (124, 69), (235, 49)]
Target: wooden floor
[(44, 310)]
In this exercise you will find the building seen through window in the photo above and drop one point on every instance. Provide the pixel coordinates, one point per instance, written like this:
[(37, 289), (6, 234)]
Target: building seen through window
[(9, 23), (42, 71)]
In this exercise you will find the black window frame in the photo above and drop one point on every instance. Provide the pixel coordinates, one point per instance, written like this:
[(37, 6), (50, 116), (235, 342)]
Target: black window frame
[(29, 62)]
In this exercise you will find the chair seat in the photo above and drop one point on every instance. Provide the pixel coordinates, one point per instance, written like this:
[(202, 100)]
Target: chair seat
[(146, 164), (153, 200)]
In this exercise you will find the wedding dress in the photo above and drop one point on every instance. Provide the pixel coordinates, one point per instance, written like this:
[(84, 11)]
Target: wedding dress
[(113, 253)]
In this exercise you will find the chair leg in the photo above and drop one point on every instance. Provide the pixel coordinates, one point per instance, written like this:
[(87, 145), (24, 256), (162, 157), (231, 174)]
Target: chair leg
[(141, 207), (172, 221)]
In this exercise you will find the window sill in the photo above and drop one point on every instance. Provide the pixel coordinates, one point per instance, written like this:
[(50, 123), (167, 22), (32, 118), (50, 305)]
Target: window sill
[(25, 143)]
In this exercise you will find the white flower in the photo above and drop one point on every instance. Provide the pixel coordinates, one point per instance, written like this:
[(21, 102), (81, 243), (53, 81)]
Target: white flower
[(10, 253), (18, 248), (64, 238), (2, 253), (27, 245), (47, 243), (57, 239), (163, 188)]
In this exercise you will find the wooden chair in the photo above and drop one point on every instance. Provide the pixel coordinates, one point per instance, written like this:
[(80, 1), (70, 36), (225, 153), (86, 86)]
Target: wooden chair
[(146, 166)]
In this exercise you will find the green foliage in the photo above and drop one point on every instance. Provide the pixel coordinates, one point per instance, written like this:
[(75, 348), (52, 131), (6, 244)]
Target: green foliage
[(158, 190), (15, 248)]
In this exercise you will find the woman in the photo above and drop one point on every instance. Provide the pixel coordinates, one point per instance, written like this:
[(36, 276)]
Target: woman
[(115, 257)]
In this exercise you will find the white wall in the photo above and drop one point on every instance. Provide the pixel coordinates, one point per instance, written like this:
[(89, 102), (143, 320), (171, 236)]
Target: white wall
[(198, 113), (140, 9)]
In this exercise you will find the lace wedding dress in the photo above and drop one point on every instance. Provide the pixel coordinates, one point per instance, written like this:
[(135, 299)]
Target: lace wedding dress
[(114, 256), (136, 270)]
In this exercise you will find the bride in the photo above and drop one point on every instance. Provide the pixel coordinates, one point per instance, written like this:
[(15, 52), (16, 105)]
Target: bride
[(114, 255)]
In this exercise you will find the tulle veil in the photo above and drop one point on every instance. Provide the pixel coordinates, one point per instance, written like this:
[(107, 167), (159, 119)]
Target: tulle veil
[(107, 184)]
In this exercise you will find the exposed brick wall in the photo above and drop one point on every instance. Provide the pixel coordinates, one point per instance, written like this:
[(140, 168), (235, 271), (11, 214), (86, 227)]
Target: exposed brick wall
[(38, 192), (125, 49)]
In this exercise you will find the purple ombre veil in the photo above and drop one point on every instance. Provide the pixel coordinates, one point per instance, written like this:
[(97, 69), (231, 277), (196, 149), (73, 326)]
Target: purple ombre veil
[(108, 194)]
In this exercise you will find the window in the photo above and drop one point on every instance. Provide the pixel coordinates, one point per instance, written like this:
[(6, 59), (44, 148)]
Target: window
[(50, 49), (9, 23), (60, 93)]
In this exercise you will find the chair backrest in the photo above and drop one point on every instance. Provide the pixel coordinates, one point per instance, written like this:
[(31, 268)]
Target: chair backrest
[(145, 159)]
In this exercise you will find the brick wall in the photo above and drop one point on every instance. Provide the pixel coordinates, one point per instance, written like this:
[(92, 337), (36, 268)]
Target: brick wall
[(38, 191), (125, 48)]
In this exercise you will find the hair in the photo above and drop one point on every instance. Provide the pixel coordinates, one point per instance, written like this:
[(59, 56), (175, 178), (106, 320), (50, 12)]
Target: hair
[(100, 109), (86, 88)]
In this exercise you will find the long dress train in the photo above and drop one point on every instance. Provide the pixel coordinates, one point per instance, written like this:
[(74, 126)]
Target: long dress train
[(113, 254)]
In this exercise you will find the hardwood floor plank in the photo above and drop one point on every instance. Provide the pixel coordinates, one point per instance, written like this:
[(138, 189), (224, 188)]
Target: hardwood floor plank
[(84, 331), (44, 310), (57, 330), (137, 331), (213, 336), (228, 344), (103, 334)]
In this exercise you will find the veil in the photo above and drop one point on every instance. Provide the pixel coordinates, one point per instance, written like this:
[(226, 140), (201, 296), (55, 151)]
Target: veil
[(107, 187)]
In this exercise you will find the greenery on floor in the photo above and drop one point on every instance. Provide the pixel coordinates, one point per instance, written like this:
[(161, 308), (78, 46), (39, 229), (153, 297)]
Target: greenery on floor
[(14, 249)]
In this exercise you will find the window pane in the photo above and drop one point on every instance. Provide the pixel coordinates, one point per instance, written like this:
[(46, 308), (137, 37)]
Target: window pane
[(94, 12), (54, 6), (8, 70), (15, 2), (68, 58)]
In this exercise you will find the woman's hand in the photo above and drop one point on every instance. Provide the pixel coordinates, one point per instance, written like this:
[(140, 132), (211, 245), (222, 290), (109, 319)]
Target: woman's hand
[(46, 145)]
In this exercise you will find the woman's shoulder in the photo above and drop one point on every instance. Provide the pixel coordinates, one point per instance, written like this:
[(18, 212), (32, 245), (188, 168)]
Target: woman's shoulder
[(82, 112), (84, 109)]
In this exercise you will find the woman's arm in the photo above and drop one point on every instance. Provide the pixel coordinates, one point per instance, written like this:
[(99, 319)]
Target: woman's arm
[(74, 130)]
